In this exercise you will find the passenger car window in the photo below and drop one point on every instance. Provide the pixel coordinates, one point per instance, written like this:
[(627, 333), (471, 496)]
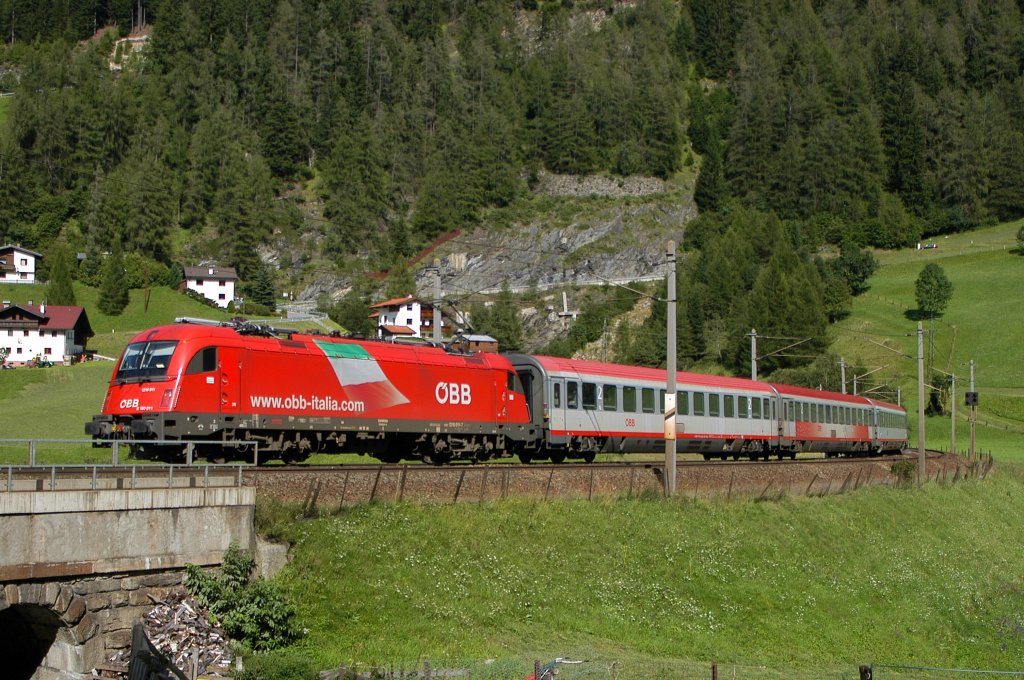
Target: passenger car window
[(610, 400), (589, 396), (647, 400), (629, 399), (572, 395)]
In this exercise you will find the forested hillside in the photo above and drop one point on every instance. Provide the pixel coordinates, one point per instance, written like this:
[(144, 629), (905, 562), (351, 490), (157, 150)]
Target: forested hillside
[(355, 131)]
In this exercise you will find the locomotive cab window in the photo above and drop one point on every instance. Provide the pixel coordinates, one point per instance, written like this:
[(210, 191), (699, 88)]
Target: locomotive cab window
[(572, 395), (204, 361), (146, 360), (610, 401), (629, 399), (589, 396)]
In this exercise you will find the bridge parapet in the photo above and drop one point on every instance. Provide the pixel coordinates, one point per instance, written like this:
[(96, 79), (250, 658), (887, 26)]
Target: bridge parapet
[(78, 568)]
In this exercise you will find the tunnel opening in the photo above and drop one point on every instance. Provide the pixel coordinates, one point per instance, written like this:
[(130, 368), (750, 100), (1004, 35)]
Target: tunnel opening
[(27, 632)]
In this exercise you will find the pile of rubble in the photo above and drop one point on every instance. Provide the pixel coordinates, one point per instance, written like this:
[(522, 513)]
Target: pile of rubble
[(178, 628)]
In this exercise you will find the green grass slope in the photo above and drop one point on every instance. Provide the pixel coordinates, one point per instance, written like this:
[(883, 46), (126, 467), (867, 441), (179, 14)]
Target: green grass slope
[(809, 586), (982, 322)]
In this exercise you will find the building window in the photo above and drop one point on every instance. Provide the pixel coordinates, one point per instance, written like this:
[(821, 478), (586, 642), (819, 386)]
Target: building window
[(24, 262), (19, 350), (26, 333), (199, 282), (222, 284), (46, 350), (408, 322), (221, 296)]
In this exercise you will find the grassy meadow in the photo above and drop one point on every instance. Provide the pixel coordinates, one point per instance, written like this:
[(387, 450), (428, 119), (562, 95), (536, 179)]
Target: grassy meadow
[(798, 588), (982, 322)]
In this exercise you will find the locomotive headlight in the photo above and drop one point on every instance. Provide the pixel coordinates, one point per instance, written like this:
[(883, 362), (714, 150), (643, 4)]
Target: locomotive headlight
[(165, 400)]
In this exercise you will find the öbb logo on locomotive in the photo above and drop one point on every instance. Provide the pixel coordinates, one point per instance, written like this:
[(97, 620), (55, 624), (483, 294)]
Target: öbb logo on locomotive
[(452, 393), (224, 389)]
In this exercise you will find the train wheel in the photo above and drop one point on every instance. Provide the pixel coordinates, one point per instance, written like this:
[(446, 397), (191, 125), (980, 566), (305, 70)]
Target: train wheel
[(589, 457), (558, 458), (525, 458)]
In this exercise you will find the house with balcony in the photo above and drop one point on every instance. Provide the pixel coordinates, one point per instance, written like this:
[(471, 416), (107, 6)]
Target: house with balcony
[(405, 317), (17, 264), (57, 333)]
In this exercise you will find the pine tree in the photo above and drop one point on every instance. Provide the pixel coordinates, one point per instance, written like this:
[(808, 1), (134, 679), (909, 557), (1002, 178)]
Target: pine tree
[(114, 290), (261, 288), (59, 290)]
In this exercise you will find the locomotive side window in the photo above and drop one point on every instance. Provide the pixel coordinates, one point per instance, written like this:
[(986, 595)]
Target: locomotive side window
[(647, 400), (557, 395), (713, 404), (698, 403), (682, 403), (589, 396), (204, 361), (572, 395), (610, 398), (729, 405), (629, 399)]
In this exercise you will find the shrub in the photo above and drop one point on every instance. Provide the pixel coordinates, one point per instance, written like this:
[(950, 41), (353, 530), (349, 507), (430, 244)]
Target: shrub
[(255, 612), (903, 471)]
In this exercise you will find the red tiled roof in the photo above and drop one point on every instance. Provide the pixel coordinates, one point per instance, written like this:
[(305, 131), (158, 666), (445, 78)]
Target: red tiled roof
[(398, 330), (55, 317), (395, 302)]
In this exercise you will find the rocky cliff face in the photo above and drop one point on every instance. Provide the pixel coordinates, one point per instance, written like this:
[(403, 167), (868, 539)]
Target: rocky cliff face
[(598, 230)]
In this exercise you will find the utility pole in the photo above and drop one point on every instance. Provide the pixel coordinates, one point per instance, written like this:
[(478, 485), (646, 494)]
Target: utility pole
[(753, 353), (974, 410), (670, 383), (921, 473), (842, 374), (952, 414), (438, 320)]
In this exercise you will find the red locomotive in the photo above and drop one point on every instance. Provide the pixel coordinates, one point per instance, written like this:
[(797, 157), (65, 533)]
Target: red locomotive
[(299, 394), (226, 387)]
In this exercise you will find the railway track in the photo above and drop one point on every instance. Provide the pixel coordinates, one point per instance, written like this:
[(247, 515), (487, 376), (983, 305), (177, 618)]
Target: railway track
[(337, 486)]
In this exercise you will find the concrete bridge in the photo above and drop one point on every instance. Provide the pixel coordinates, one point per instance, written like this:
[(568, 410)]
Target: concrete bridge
[(79, 566)]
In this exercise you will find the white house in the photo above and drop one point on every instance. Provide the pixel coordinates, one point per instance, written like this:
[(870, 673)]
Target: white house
[(17, 264), (213, 283), (405, 316), (55, 332)]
